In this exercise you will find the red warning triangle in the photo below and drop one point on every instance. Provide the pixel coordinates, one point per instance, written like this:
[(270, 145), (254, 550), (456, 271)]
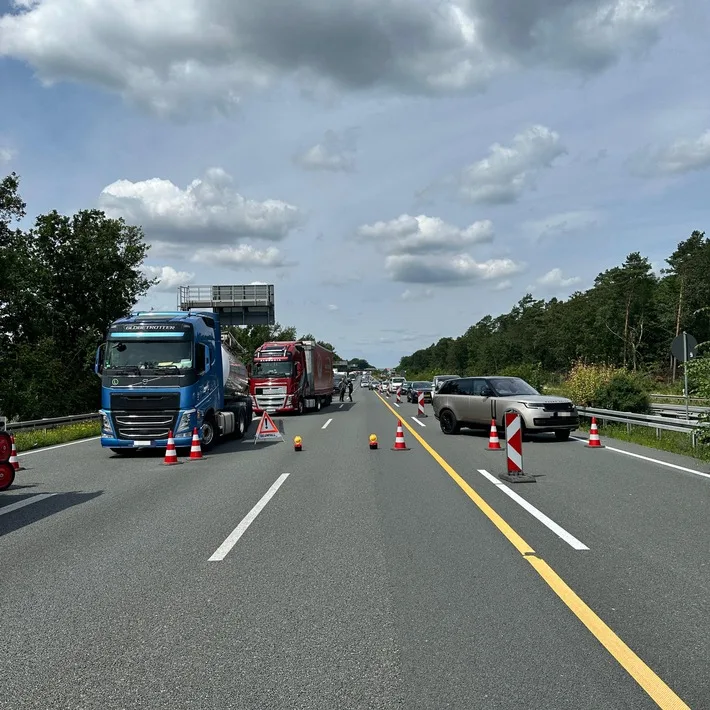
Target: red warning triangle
[(267, 430)]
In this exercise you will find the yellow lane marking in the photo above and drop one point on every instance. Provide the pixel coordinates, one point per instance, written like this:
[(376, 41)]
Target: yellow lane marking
[(659, 692)]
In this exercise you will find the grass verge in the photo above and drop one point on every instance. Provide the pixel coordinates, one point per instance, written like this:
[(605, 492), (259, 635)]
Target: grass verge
[(674, 442), (28, 440)]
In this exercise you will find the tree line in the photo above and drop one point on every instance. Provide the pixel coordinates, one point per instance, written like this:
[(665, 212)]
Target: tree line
[(62, 282), (627, 319)]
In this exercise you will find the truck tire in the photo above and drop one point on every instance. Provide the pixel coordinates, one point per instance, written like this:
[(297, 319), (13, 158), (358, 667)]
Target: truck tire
[(210, 434), (319, 404), (241, 426), (7, 475)]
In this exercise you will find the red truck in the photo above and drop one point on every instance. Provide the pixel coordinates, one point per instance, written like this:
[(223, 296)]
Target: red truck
[(291, 377)]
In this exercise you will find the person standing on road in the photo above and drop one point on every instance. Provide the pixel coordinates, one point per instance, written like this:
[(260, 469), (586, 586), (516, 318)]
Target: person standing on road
[(350, 390), (342, 390)]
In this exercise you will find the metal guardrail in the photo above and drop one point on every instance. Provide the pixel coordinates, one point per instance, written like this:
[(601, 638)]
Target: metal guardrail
[(49, 423), (646, 420), (677, 396)]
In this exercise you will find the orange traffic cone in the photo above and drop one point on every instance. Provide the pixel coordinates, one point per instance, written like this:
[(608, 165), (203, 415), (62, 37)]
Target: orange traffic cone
[(493, 440), (14, 460), (399, 444), (170, 452), (594, 441), (196, 448)]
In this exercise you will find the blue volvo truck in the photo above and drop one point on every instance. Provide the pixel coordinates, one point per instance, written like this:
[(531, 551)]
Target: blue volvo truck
[(170, 371)]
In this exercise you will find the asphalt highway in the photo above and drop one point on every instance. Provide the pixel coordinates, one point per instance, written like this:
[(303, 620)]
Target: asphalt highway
[(340, 577)]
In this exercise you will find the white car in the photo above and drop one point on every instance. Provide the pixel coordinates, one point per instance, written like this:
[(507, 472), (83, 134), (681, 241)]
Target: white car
[(396, 383)]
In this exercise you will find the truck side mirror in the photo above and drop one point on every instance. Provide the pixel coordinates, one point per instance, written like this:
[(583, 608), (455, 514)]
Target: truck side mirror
[(98, 362)]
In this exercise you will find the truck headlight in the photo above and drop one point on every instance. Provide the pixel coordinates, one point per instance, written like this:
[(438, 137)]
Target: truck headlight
[(105, 424), (185, 424)]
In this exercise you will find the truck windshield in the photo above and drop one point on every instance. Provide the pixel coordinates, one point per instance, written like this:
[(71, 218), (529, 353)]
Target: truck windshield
[(148, 354), (273, 369)]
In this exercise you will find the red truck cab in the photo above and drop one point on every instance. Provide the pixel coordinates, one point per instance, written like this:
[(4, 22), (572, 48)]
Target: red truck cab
[(291, 376)]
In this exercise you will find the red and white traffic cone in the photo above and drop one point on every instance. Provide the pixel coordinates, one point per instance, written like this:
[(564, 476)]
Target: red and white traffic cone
[(14, 460), (594, 441), (420, 403), (399, 444), (399, 395), (196, 448), (493, 440), (170, 452)]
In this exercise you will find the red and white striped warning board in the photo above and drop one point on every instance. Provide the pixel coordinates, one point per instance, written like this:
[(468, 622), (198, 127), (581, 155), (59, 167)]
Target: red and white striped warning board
[(514, 450)]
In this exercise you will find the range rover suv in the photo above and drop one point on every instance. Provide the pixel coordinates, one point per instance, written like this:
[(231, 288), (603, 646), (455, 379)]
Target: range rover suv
[(474, 401)]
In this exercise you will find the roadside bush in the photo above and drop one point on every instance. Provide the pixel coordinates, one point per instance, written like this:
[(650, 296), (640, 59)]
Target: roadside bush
[(584, 381), (699, 385), (624, 392), (532, 374)]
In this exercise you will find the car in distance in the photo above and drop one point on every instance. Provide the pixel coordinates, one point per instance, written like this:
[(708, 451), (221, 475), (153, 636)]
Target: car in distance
[(440, 379), (416, 388), (474, 402), (395, 383)]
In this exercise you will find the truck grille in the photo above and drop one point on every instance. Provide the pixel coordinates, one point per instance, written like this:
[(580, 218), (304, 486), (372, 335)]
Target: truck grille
[(144, 416), (270, 397)]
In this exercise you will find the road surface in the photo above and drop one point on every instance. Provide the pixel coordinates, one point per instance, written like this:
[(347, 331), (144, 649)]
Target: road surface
[(340, 577)]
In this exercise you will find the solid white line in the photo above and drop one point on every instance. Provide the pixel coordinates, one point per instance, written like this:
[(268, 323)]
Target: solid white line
[(341, 406), (26, 501), (326, 424), (651, 460), (551, 524), (418, 422), (396, 405), (222, 551), (58, 446)]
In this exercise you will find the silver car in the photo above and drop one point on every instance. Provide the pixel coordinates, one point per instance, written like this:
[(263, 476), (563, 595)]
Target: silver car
[(474, 402)]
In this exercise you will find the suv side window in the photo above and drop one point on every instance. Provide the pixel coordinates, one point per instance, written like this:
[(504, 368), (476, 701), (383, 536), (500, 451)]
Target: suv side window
[(465, 385), (447, 387), (479, 384)]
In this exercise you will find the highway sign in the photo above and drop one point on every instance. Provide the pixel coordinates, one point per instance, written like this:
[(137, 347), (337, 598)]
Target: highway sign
[(684, 351)]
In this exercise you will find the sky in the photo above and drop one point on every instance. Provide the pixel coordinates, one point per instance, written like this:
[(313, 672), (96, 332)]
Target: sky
[(398, 169)]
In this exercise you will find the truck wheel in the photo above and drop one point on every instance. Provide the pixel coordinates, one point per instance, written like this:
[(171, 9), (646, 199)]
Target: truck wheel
[(318, 404), (241, 427), (7, 475), (209, 434)]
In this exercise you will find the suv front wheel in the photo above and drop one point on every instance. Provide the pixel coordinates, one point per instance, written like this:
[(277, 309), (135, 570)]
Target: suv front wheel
[(448, 423)]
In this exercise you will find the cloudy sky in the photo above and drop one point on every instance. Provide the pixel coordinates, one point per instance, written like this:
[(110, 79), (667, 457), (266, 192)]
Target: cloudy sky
[(396, 168)]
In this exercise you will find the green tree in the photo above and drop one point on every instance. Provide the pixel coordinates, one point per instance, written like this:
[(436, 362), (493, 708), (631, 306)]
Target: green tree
[(72, 277)]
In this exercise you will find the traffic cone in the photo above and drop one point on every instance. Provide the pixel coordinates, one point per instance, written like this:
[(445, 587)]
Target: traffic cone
[(297, 443), (493, 440), (399, 444), (14, 460), (594, 441), (373, 441), (195, 449), (170, 452)]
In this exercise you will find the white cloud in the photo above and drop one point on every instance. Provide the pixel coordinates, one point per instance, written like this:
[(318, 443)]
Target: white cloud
[(244, 256), (332, 307), (556, 225), (503, 285), (509, 171), (208, 210), (6, 154), (422, 234), (169, 278), (172, 55), (682, 156), (417, 294), (451, 271), (336, 153), (554, 280)]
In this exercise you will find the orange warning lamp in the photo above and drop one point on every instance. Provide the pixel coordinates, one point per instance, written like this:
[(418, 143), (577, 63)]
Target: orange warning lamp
[(373, 441), (297, 443)]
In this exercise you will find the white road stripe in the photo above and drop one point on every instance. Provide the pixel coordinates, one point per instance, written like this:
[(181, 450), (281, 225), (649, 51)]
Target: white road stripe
[(418, 422), (326, 424), (222, 551), (341, 406), (27, 501), (396, 405), (58, 446), (651, 460), (548, 522)]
